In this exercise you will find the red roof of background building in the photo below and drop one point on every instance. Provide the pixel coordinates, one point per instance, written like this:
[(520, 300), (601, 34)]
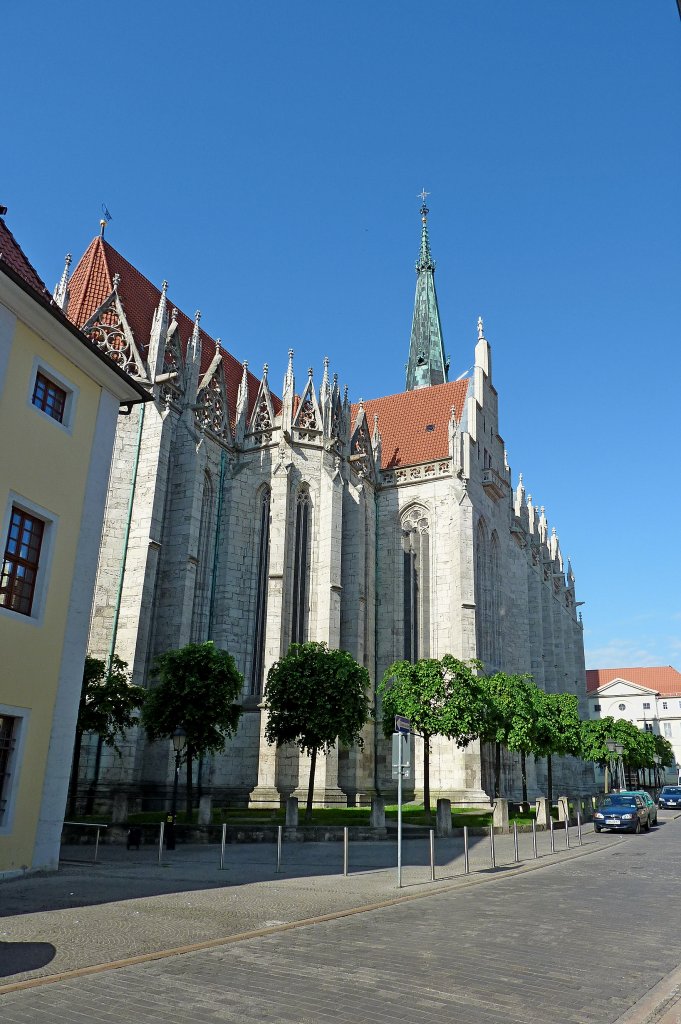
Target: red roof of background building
[(14, 256), (91, 284), (403, 420), (664, 680)]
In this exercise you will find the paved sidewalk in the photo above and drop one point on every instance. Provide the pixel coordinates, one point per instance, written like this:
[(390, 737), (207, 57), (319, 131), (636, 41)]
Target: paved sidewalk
[(129, 904), (578, 941)]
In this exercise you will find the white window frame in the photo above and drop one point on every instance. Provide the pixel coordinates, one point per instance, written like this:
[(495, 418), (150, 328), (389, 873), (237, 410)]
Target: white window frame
[(15, 763), (71, 390), (51, 521), (664, 705), (646, 705)]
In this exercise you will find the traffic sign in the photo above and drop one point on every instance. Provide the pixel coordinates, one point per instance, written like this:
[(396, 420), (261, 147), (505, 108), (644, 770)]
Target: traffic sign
[(401, 766), (402, 724)]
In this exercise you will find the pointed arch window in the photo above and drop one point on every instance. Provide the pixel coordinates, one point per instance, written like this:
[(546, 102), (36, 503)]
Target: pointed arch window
[(416, 584), (301, 569), (488, 619), (482, 590), (263, 568), (201, 605), (495, 601)]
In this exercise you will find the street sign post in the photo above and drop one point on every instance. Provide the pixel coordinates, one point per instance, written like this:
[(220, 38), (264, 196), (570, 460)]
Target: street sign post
[(401, 762)]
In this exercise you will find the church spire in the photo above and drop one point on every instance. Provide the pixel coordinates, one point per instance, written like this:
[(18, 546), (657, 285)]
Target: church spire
[(427, 362)]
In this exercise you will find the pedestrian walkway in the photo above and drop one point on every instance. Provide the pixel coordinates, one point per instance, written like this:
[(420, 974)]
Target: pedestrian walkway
[(577, 937)]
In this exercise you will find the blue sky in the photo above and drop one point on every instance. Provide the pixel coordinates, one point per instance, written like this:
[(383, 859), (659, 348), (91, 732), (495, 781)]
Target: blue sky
[(265, 158)]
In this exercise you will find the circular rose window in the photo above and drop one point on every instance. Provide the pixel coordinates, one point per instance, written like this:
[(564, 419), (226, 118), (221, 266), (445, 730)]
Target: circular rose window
[(622, 707)]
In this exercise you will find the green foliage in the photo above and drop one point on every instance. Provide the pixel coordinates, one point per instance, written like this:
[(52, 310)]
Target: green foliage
[(198, 687), (440, 698), (314, 696), (108, 701), (512, 711), (638, 747), (665, 751), (557, 728)]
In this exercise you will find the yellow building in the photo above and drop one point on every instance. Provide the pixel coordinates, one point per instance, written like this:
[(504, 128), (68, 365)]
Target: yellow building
[(59, 402)]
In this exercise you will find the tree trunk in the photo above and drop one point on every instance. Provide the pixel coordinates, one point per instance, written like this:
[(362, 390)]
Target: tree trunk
[(497, 770), (90, 802), (189, 805), (549, 779), (426, 775), (310, 787), (523, 774), (75, 768)]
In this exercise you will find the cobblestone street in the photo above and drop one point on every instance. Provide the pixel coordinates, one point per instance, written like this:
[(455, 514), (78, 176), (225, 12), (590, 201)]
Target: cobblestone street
[(580, 936)]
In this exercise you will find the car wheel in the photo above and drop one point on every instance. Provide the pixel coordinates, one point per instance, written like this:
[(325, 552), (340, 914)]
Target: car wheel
[(597, 828), (637, 829), (647, 825)]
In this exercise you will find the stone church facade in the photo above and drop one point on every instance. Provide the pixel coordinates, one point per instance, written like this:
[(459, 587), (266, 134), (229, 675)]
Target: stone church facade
[(390, 528)]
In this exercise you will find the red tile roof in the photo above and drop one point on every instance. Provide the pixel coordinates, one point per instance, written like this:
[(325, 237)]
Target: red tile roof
[(91, 284), (664, 680), (13, 255), (403, 421)]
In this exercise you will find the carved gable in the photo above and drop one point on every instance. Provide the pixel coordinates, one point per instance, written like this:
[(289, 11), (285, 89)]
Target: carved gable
[(109, 330), (211, 404)]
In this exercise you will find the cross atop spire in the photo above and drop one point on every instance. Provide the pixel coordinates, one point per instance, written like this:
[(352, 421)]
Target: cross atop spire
[(427, 362), (425, 260)]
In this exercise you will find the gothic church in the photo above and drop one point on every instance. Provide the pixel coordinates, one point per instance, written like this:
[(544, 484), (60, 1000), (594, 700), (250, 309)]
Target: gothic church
[(390, 528)]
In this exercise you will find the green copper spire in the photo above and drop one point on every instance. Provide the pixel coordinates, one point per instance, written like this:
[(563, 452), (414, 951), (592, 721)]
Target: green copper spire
[(427, 364)]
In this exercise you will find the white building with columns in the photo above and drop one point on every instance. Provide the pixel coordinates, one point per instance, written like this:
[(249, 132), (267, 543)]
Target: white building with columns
[(390, 527), (650, 698)]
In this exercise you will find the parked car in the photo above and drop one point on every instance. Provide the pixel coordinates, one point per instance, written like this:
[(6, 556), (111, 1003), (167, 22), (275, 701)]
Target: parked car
[(670, 796), (622, 812), (647, 800)]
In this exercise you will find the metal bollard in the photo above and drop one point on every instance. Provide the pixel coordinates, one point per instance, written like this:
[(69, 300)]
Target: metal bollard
[(96, 845), (516, 855), (160, 842), (222, 847), (534, 838), (491, 846), (579, 828), (280, 831), (567, 833), (432, 854), (466, 864), (346, 835), (553, 838)]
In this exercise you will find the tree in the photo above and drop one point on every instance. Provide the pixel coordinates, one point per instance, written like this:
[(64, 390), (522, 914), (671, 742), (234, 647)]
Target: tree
[(557, 730), (108, 706), (638, 747), (665, 751), (511, 720), (314, 696), (199, 685), (440, 698)]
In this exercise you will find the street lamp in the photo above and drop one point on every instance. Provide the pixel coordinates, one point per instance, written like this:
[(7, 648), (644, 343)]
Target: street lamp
[(619, 750), (611, 745), (657, 761), (179, 739)]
